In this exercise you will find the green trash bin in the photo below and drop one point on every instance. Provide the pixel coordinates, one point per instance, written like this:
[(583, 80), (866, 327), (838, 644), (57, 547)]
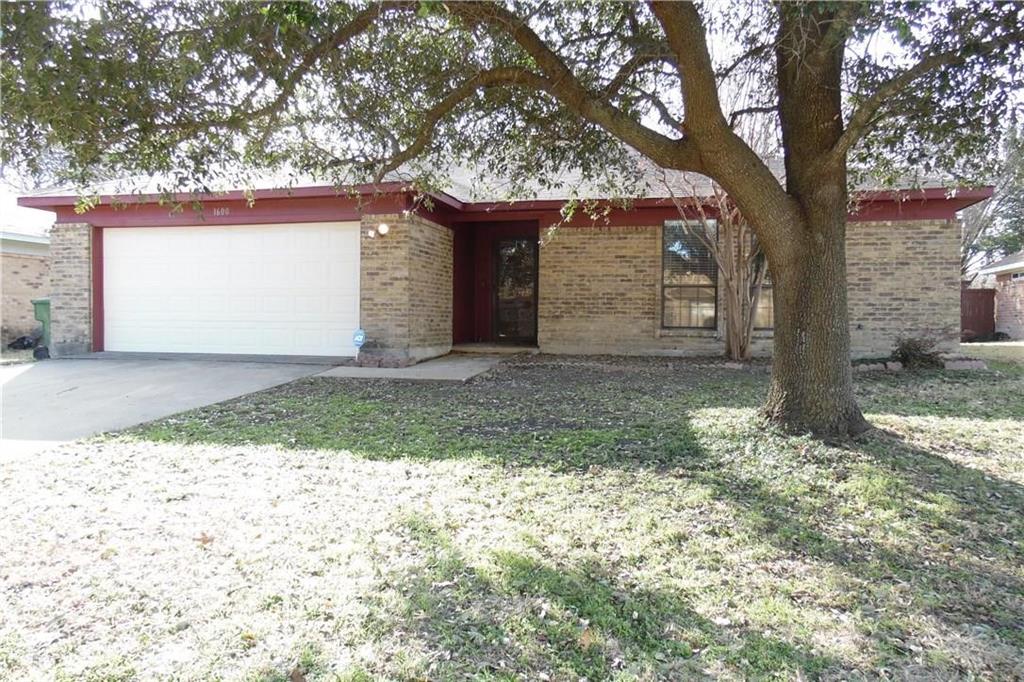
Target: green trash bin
[(42, 308)]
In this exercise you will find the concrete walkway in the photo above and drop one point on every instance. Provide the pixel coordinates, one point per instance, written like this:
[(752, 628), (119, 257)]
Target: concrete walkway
[(455, 368), (54, 401)]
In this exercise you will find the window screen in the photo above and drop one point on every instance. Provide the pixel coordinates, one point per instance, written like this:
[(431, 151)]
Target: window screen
[(764, 315), (689, 284)]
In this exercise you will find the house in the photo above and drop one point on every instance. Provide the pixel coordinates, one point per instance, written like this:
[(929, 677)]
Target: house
[(1009, 275), (25, 265), (297, 271)]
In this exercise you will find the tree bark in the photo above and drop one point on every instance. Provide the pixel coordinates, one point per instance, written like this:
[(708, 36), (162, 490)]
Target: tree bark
[(812, 379)]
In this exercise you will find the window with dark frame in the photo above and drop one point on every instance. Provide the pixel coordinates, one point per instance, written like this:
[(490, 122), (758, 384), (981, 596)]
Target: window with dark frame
[(689, 278), (764, 311), (764, 314)]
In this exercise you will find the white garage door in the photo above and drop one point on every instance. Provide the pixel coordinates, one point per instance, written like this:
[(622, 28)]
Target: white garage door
[(267, 289)]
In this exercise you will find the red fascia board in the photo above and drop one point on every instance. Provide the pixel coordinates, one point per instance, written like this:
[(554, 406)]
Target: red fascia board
[(324, 191), (971, 196), (238, 212), (275, 205)]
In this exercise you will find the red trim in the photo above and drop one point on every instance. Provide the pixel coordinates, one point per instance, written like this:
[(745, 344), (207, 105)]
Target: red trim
[(316, 191), (325, 203), (265, 211), (916, 204), (97, 289)]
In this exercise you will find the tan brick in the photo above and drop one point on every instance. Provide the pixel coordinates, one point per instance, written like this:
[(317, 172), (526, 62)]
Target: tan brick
[(405, 289), (600, 291), (70, 288), (903, 280), (25, 277), (1010, 306)]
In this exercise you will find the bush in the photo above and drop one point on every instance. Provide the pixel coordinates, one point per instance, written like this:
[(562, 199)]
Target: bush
[(917, 353)]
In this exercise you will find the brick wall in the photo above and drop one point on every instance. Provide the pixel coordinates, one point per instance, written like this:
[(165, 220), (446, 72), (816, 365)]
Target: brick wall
[(600, 291), (25, 277), (70, 288), (405, 290), (1010, 306), (430, 289), (904, 280)]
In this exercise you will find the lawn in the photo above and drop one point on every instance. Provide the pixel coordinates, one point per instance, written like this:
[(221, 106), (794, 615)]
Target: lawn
[(15, 357), (1006, 351), (558, 519)]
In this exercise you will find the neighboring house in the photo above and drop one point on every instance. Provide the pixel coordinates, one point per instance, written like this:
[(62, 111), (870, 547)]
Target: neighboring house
[(1009, 274), (298, 271), (25, 262)]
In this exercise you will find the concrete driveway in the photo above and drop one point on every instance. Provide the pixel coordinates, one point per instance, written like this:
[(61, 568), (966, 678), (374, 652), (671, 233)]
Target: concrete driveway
[(54, 401)]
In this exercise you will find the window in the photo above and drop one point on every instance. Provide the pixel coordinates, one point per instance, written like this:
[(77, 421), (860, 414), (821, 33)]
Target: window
[(689, 278), (1017, 276), (764, 314)]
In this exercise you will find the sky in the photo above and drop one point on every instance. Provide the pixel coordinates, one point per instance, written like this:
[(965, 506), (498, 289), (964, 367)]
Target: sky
[(14, 218)]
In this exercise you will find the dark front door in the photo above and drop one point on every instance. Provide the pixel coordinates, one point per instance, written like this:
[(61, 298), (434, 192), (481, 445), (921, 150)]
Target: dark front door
[(515, 290)]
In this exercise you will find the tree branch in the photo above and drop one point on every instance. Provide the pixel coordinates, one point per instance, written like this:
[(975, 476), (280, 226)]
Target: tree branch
[(839, 26), (508, 76), (567, 89), (752, 52), (629, 69), (666, 116), (688, 41), (767, 109), (343, 34), (864, 116)]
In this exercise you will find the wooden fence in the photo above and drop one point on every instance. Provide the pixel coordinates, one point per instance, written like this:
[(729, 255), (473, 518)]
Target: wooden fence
[(978, 311)]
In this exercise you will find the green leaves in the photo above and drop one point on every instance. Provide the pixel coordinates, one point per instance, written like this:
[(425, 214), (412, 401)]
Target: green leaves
[(329, 91)]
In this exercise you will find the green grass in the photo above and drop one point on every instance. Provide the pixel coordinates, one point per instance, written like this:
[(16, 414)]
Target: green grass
[(633, 519), (15, 357), (1002, 351)]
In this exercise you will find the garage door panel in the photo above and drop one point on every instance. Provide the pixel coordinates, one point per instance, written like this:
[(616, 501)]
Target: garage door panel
[(276, 289)]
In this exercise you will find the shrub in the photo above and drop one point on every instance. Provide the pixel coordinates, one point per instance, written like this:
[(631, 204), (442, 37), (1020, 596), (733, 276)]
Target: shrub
[(917, 352)]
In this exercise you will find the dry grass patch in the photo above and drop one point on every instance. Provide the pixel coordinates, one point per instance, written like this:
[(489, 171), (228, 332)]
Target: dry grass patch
[(559, 519)]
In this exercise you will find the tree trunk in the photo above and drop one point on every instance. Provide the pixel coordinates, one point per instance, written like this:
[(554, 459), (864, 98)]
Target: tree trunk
[(812, 379)]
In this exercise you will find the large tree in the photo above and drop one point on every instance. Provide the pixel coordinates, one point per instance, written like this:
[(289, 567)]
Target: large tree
[(527, 89)]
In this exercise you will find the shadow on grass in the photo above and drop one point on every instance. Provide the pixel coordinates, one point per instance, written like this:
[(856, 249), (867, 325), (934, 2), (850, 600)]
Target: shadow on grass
[(978, 395), (909, 530), (517, 615)]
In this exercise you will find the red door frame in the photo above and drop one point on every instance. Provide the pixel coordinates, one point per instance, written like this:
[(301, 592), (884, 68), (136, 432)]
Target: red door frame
[(473, 275)]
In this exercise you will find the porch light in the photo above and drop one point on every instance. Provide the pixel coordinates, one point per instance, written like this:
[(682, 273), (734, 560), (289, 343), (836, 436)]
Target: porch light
[(383, 229)]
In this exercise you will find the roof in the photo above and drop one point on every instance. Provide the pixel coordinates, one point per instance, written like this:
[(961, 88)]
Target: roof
[(1012, 263), (23, 238), (18, 243)]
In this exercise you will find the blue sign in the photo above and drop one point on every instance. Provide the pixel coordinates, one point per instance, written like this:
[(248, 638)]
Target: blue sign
[(359, 338)]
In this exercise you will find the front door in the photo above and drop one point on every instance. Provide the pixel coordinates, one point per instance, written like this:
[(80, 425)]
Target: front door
[(515, 290)]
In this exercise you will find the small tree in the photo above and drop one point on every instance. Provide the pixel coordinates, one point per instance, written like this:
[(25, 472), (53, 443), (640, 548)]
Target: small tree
[(717, 222), (995, 227)]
